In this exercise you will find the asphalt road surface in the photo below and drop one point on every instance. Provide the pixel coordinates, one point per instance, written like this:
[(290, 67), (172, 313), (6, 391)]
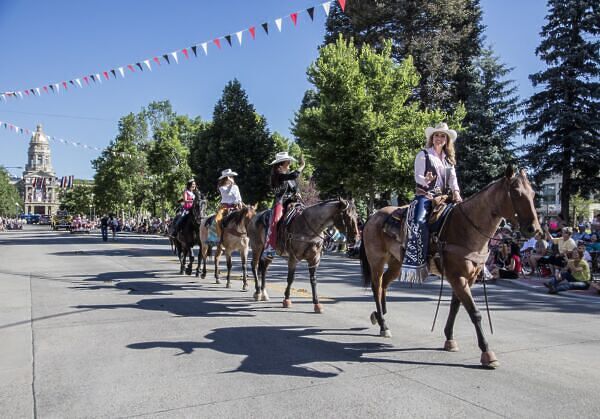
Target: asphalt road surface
[(93, 329)]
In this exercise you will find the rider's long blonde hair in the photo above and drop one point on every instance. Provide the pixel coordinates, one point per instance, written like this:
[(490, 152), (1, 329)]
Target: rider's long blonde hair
[(448, 148)]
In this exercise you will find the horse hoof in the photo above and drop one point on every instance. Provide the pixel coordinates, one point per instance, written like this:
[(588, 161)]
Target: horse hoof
[(385, 333), (489, 360), (245, 287), (228, 285), (264, 296), (451, 346), (197, 274), (374, 318), (217, 281), (318, 308), (287, 303), (256, 296)]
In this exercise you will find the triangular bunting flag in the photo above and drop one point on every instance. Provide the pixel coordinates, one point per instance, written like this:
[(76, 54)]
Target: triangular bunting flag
[(98, 78), (252, 31), (37, 89), (93, 78), (194, 48), (185, 52), (33, 91), (294, 17), (311, 13), (342, 4), (326, 7), (174, 55), (57, 86), (147, 62), (79, 83), (265, 26), (205, 47), (166, 57), (122, 71), (156, 60), (86, 80), (217, 42), (140, 66), (20, 94), (278, 24), (46, 89), (64, 83), (70, 81), (129, 66), (239, 36), (27, 92), (105, 75), (228, 39)]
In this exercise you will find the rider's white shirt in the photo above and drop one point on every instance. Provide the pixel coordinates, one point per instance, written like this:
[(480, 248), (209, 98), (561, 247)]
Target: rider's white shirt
[(230, 194)]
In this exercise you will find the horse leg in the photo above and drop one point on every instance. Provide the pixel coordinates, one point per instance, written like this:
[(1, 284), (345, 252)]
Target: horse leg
[(244, 258), (463, 292), (263, 265), (217, 256), (450, 344), (376, 286), (390, 274), (229, 264), (182, 256), (254, 267), (290, 279), (190, 266), (313, 285)]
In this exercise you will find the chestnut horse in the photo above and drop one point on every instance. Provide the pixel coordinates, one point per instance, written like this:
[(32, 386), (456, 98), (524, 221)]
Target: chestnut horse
[(464, 238), (304, 241)]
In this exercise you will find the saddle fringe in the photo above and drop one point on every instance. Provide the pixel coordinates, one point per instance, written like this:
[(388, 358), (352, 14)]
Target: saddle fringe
[(414, 275)]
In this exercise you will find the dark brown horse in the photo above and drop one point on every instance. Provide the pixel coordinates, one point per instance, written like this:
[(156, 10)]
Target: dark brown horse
[(303, 241), (465, 237), (188, 235)]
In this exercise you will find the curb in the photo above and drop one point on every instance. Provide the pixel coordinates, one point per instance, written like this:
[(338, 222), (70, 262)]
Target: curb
[(518, 284)]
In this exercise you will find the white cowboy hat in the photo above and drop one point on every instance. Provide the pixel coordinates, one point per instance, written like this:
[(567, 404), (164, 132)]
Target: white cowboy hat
[(441, 127), (226, 173), (282, 156)]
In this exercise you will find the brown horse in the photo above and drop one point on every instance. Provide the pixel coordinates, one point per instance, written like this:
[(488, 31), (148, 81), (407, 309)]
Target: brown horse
[(465, 236), (304, 241), (235, 237)]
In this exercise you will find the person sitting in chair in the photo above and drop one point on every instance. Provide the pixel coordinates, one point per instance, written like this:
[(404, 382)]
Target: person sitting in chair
[(576, 277), (284, 185), (230, 198)]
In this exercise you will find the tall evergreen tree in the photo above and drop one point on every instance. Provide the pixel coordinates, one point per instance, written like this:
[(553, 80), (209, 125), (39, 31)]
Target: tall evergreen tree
[(486, 145), (237, 138), (564, 116), (9, 196)]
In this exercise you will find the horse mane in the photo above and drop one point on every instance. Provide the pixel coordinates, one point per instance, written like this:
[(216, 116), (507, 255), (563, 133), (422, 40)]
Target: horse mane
[(236, 216)]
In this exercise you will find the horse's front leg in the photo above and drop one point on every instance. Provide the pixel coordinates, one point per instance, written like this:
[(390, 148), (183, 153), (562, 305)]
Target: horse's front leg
[(377, 268), (450, 344), (182, 257), (263, 266), (254, 267), (312, 270), (290, 280), (229, 265), (463, 292), (244, 258), (217, 257), (190, 266)]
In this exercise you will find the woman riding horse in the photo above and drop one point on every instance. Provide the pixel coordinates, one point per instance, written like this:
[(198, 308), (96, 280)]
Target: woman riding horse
[(230, 198), (188, 199), (284, 185)]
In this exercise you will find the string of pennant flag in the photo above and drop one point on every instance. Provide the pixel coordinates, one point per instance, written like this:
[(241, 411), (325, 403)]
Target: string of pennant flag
[(168, 58)]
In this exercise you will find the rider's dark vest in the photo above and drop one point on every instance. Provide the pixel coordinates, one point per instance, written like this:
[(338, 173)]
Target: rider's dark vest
[(286, 185), (429, 167)]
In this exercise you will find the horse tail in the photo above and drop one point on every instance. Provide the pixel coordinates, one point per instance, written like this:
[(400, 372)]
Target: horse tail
[(364, 264)]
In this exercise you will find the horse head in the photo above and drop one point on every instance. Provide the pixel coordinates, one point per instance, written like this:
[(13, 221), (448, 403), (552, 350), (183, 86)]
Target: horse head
[(346, 219), (249, 211), (198, 207), (522, 212)]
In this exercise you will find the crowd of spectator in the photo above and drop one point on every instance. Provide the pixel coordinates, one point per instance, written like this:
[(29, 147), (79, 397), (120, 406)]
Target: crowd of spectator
[(11, 224)]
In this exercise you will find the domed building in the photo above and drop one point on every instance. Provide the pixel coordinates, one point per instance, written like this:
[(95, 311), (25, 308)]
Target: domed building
[(39, 187)]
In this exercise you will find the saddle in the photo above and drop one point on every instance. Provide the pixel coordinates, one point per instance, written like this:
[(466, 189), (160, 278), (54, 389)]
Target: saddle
[(292, 210), (227, 217)]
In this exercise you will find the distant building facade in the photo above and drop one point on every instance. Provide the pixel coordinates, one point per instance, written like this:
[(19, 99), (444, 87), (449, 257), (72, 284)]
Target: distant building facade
[(39, 187), (549, 203)]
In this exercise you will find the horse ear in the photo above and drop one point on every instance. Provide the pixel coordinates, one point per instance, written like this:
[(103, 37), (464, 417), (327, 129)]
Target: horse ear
[(509, 172), (523, 172)]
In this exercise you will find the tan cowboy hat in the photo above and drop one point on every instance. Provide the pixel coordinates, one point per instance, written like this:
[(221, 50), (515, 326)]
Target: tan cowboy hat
[(282, 156), (441, 127), (226, 173)]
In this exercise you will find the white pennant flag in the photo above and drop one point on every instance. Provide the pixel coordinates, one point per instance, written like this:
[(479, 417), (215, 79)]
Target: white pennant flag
[(20, 94), (57, 87), (147, 62), (278, 23), (239, 36), (37, 89), (174, 55), (98, 78), (326, 7), (122, 71), (2, 98), (205, 47), (78, 83)]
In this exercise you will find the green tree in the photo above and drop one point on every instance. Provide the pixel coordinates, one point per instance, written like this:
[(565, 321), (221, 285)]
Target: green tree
[(9, 196), (168, 165), (77, 200), (359, 130), (563, 117), (237, 138), (486, 145)]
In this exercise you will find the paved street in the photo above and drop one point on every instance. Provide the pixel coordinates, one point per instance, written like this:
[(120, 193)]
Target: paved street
[(93, 329)]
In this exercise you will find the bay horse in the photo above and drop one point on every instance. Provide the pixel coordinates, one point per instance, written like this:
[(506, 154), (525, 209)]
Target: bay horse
[(188, 235), (303, 241), (235, 237), (464, 238)]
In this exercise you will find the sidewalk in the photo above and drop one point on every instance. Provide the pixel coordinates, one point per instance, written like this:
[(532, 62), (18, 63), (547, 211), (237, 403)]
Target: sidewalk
[(536, 283)]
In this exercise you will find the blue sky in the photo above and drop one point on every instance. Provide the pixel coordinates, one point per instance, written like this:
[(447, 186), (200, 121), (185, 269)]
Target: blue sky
[(50, 41)]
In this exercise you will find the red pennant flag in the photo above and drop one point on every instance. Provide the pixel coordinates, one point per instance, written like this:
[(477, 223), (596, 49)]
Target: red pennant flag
[(27, 92), (85, 78), (156, 60), (342, 4), (46, 89), (105, 74), (294, 17), (252, 31), (217, 42), (129, 66), (64, 83), (185, 52)]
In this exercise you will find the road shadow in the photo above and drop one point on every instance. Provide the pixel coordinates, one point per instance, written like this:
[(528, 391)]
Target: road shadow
[(185, 307), (143, 287), (288, 351)]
